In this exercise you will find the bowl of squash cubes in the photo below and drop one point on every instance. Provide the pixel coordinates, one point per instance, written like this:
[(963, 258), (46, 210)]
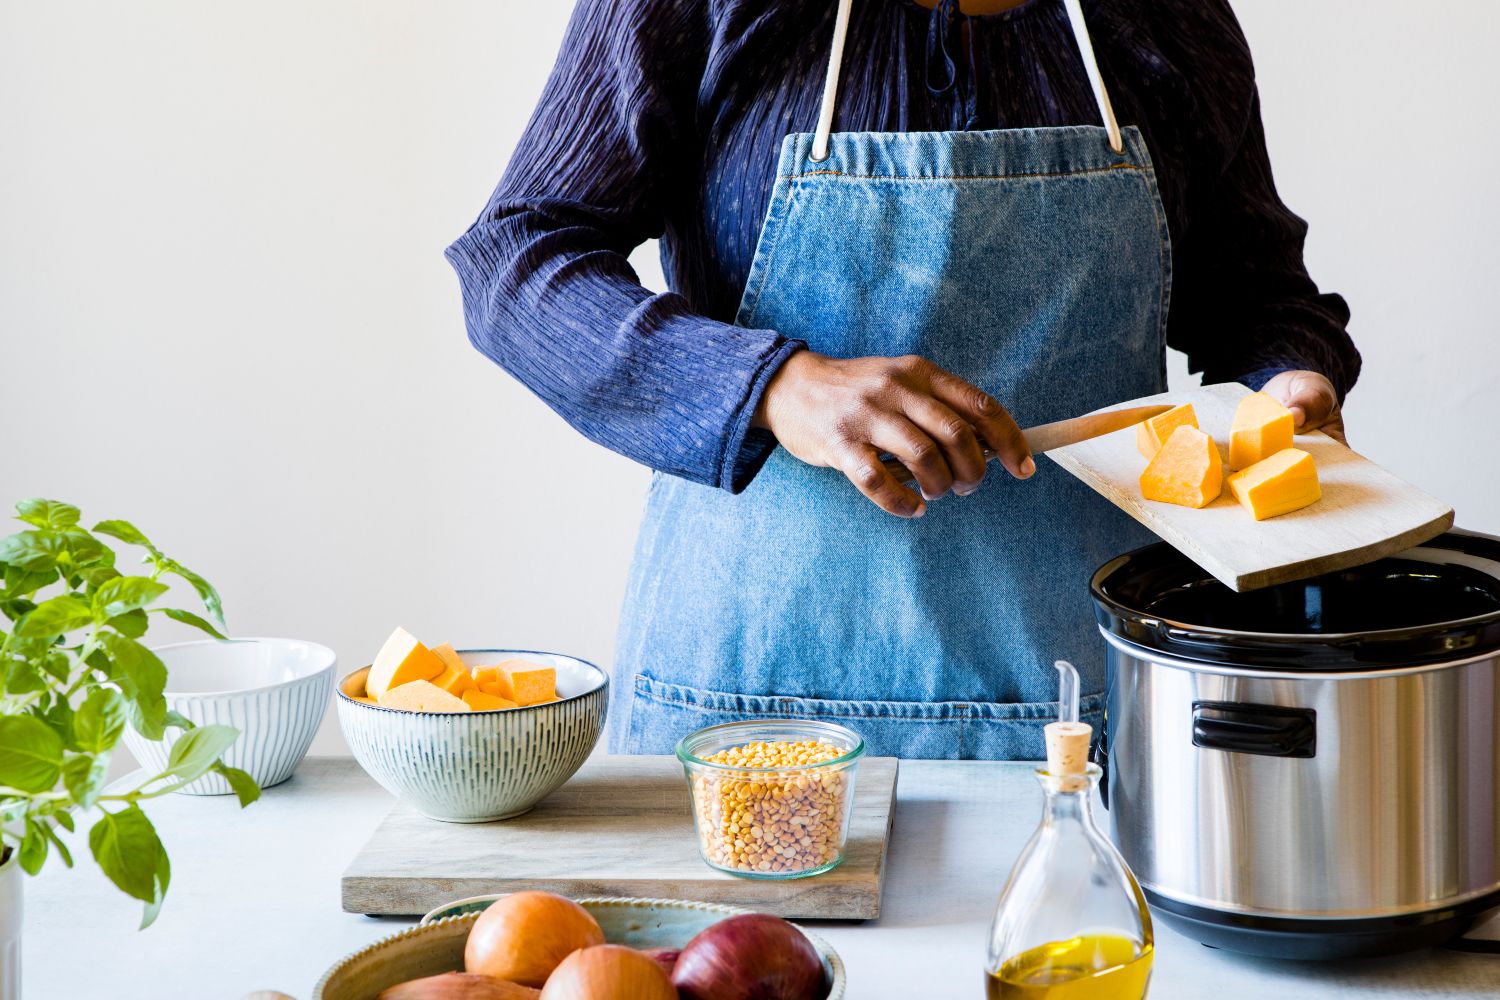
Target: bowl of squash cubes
[(471, 735)]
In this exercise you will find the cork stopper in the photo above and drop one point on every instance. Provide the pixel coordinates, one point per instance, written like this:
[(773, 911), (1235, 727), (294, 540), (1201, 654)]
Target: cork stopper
[(1068, 752)]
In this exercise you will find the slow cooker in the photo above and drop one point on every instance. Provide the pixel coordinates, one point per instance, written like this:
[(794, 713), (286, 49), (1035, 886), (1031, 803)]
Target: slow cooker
[(1310, 770)]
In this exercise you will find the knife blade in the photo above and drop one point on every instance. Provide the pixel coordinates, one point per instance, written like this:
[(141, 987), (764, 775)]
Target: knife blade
[(1058, 434)]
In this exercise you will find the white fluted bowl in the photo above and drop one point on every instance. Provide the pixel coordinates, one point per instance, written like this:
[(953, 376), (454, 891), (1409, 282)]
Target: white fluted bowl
[(473, 767), (274, 691), (436, 945)]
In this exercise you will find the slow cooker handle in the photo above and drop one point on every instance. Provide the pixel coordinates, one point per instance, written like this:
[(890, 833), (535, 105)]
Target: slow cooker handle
[(1265, 730)]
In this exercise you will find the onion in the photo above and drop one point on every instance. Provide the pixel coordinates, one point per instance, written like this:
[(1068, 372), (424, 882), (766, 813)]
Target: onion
[(608, 972), (522, 937), (750, 957), (459, 986), (664, 957)]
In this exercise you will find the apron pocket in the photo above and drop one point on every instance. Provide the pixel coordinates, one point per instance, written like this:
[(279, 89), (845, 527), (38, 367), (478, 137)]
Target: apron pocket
[(662, 713)]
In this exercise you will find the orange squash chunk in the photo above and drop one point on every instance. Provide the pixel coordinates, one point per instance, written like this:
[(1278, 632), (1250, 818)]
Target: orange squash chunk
[(1151, 434), (525, 683), (1188, 470), (479, 701), (400, 661), (1285, 482), (422, 696), (486, 675), (455, 680), (1262, 427)]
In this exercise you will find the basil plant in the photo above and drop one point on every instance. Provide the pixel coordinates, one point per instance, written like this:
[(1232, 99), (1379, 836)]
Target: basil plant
[(75, 675)]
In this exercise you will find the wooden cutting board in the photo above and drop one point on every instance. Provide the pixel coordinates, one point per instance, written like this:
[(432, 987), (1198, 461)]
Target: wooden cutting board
[(1365, 514), (620, 827)]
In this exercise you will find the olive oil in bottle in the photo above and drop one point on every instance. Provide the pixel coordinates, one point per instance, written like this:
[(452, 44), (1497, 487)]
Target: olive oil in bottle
[(1071, 923), (1088, 967)]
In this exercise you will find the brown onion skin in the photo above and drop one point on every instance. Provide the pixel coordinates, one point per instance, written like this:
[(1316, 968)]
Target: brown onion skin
[(522, 937), (459, 986), (754, 956), (608, 972)]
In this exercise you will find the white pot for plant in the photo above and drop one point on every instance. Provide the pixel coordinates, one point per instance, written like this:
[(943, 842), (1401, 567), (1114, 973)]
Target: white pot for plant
[(10, 928)]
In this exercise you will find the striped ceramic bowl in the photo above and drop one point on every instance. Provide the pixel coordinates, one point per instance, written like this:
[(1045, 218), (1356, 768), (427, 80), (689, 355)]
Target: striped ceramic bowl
[(472, 767), (274, 691), (436, 945)]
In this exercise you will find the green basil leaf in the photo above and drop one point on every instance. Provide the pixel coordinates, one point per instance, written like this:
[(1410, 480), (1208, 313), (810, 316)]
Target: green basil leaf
[(125, 532), (47, 513), (62, 849), (125, 594), (206, 592), (132, 623), (176, 720), (23, 583), (60, 717), (84, 777), (64, 819), (23, 677), (142, 677), (57, 664), (99, 721), (58, 616), (84, 549), (33, 848), (30, 754), (16, 608), (195, 751), (245, 787), (126, 846), (32, 551), (188, 618), (98, 575), (162, 877)]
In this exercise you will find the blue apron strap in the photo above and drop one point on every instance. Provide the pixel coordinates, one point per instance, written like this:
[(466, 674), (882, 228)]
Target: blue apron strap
[(836, 61)]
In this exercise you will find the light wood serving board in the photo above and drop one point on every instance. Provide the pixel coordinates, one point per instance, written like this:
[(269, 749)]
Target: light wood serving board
[(620, 827), (1365, 513)]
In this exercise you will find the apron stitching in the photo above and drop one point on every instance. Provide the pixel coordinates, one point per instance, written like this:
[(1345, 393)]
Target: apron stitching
[(961, 177), (765, 272)]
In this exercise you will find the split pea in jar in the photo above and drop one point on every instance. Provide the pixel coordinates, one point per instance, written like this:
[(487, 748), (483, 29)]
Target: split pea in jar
[(771, 797)]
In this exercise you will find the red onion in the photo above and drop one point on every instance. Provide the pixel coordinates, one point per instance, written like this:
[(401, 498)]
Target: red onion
[(750, 957), (664, 957)]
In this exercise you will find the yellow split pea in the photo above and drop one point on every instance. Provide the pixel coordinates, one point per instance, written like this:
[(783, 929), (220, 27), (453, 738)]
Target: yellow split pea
[(769, 821)]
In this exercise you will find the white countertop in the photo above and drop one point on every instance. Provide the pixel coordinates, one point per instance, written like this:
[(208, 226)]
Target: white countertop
[(254, 904)]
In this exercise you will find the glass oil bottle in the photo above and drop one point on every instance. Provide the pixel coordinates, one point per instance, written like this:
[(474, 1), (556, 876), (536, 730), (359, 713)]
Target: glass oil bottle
[(1071, 923)]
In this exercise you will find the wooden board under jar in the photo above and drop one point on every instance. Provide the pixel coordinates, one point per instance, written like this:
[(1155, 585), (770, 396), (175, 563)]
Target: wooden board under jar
[(621, 826)]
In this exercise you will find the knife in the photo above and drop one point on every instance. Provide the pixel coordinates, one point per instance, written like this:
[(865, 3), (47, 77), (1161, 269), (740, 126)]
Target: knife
[(1045, 437)]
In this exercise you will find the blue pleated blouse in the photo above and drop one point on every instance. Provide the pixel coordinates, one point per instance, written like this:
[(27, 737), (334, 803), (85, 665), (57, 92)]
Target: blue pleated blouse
[(664, 118)]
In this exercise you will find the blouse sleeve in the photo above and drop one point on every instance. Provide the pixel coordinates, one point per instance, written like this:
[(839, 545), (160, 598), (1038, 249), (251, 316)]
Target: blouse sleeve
[(1243, 305), (547, 290)]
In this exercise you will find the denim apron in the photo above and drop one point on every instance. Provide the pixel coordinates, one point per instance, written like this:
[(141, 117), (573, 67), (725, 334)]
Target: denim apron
[(1034, 263)]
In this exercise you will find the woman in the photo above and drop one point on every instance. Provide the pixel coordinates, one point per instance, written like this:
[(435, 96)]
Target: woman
[(978, 245)]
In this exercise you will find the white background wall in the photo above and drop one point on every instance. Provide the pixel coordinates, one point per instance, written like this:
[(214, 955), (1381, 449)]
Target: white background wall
[(224, 312)]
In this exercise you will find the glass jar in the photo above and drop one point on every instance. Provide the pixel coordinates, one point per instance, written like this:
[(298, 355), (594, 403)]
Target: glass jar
[(1071, 921), (771, 798)]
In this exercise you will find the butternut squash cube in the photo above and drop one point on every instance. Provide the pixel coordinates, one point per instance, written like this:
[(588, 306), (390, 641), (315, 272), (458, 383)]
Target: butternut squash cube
[(1188, 470), (422, 696), (1262, 427), (1151, 434), (525, 683), (401, 660), (450, 657), (479, 701), (1285, 482), (455, 680)]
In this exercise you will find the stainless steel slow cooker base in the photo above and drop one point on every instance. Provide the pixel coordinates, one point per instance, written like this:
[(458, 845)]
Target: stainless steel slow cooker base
[(1317, 940), (1312, 770)]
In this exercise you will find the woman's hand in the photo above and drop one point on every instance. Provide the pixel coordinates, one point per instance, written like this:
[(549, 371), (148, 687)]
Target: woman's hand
[(842, 413), (1313, 401)]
